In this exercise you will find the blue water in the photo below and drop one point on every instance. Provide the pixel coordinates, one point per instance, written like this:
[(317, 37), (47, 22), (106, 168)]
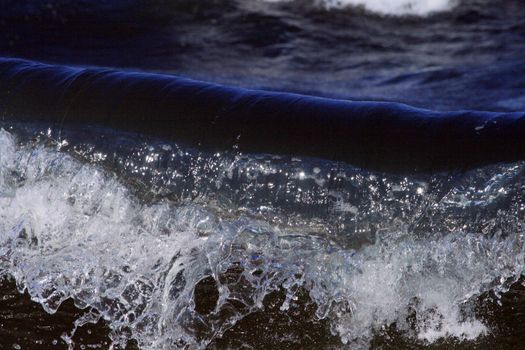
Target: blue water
[(466, 56), (113, 238)]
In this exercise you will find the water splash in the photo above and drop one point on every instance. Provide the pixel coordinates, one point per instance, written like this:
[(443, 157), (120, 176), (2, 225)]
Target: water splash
[(128, 228)]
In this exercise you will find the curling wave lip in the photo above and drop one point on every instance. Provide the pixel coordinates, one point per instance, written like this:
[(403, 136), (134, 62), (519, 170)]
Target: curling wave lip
[(376, 135)]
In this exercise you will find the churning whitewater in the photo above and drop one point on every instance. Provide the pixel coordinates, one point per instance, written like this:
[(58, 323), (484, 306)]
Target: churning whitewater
[(390, 7), (128, 228)]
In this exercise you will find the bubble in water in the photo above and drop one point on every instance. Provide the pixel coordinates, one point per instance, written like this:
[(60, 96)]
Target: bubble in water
[(372, 250)]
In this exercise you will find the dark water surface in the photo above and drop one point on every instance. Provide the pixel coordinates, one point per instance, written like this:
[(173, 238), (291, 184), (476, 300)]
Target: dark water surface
[(113, 239), (467, 57)]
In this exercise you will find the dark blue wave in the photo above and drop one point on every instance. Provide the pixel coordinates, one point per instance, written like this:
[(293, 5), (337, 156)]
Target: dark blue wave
[(375, 135)]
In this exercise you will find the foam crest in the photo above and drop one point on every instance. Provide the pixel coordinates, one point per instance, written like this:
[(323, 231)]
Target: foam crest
[(397, 7), (123, 234), (391, 7)]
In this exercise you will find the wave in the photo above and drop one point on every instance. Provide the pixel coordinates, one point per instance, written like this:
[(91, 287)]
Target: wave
[(131, 232), (391, 7), (373, 135), (126, 191)]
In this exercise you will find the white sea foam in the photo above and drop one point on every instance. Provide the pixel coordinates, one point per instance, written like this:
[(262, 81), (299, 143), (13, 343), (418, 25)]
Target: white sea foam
[(391, 7), (70, 229)]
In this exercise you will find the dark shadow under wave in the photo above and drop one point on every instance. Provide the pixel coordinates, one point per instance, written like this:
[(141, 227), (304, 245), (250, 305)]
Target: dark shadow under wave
[(376, 135)]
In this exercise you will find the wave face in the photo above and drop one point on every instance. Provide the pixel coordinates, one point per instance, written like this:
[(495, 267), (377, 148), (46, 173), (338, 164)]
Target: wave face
[(375, 135), (128, 227)]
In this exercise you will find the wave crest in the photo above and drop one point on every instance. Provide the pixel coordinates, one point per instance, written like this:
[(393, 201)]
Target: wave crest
[(391, 7)]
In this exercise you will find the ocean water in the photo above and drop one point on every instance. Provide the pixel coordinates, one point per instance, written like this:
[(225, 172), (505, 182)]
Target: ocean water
[(437, 54), (112, 239), (129, 231)]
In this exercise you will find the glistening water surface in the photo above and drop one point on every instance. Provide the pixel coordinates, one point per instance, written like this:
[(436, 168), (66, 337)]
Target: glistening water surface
[(117, 240), (287, 252)]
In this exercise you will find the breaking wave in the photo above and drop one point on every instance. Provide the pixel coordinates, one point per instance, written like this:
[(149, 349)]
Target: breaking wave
[(128, 227), (391, 7)]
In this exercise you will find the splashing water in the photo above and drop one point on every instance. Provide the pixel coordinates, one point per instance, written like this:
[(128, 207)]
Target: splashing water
[(131, 232)]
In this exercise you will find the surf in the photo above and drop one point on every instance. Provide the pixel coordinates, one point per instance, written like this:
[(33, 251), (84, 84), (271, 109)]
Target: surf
[(390, 8), (130, 227)]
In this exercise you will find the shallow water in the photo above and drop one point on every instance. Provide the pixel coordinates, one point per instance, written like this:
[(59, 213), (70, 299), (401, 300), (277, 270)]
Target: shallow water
[(127, 227)]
